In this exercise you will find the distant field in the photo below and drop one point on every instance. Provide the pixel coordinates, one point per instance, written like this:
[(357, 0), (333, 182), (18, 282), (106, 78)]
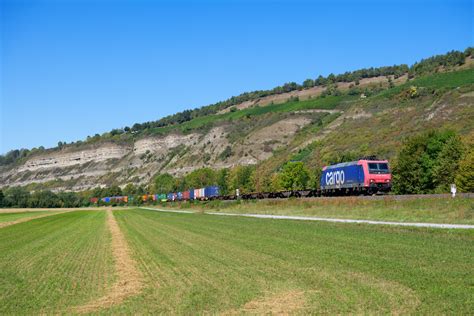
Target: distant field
[(435, 210), (7, 217), (196, 263)]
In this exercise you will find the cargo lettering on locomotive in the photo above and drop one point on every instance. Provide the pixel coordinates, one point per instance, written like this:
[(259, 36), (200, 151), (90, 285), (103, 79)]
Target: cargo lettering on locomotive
[(335, 178)]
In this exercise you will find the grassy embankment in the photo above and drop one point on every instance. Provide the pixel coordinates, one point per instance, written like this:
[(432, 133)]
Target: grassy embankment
[(195, 263), (435, 210), (52, 263)]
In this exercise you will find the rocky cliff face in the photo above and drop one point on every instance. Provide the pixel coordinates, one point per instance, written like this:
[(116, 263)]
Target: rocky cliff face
[(87, 166), (73, 158)]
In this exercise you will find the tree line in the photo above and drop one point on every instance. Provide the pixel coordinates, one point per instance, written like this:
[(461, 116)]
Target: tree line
[(426, 163)]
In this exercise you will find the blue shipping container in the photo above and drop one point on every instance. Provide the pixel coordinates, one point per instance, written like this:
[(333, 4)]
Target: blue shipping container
[(343, 175), (211, 191), (191, 194), (170, 197), (180, 196)]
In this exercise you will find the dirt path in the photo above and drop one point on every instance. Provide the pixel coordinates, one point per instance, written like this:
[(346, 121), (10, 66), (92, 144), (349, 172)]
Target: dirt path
[(27, 219), (129, 278)]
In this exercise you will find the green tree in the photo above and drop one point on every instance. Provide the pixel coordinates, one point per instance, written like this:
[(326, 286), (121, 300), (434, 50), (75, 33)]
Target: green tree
[(261, 179), (97, 192), (129, 189), (294, 176), (164, 183), (331, 78), (112, 191), (200, 178), (276, 184), (417, 161), (44, 199), (69, 199), (222, 181), (17, 197), (308, 83), (240, 178), (180, 184), (314, 178), (447, 164), (465, 176), (2, 197), (140, 190)]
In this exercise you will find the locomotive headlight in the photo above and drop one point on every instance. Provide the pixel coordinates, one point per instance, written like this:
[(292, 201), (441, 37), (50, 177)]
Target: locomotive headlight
[(371, 180)]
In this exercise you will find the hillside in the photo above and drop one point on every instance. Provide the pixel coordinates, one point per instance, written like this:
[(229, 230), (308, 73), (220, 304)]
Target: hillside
[(316, 125)]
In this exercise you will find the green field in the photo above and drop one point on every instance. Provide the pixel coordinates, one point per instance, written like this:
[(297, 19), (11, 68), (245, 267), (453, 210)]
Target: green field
[(8, 217), (197, 263), (432, 210), (52, 263)]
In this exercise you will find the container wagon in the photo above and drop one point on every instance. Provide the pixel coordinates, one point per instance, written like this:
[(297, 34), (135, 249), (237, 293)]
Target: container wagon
[(211, 192), (197, 194), (185, 195), (162, 197)]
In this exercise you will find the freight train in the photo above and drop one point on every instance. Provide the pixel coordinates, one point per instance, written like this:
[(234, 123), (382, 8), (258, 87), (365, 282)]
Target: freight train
[(366, 176)]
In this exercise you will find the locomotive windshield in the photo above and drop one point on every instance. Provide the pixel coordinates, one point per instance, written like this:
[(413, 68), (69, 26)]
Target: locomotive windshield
[(380, 168)]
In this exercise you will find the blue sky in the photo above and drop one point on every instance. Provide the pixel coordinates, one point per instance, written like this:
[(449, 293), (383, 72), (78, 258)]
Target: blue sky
[(70, 69)]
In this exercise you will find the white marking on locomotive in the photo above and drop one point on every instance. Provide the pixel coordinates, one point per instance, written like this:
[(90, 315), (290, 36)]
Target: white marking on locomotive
[(335, 177)]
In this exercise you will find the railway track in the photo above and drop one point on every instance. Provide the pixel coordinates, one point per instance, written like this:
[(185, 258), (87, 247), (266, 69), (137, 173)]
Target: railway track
[(375, 197)]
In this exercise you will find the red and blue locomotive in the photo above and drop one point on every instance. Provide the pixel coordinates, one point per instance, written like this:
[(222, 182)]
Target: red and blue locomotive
[(364, 176)]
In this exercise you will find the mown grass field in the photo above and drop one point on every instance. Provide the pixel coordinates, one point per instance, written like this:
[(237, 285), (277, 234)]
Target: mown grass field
[(434, 210), (197, 263), (7, 217), (50, 264)]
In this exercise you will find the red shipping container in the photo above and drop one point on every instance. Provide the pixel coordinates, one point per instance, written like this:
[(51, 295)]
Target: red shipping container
[(186, 195)]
